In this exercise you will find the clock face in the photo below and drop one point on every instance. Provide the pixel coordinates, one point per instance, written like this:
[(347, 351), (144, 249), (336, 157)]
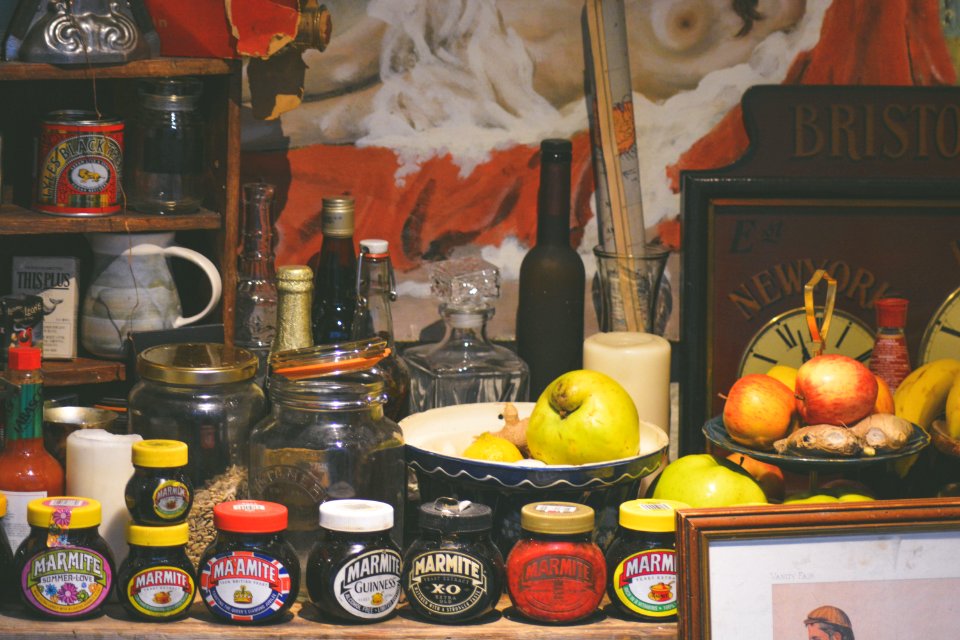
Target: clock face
[(786, 340), (942, 337)]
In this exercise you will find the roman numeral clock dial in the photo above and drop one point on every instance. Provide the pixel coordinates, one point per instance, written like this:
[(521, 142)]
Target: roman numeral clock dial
[(785, 339), (942, 336)]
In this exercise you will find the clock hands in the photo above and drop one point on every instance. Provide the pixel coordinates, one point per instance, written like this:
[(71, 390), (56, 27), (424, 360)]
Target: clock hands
[(803, 346)]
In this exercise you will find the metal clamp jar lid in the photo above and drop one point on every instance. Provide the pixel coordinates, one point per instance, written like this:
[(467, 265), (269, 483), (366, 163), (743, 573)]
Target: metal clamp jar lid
[(196, 364), (329, 360)]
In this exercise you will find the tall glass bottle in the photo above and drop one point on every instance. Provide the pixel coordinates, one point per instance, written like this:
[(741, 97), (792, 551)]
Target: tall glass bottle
[(294, 294), (376, 289), (552, 280), (334, 274), (27, 471), (255, 318), (465, 366)]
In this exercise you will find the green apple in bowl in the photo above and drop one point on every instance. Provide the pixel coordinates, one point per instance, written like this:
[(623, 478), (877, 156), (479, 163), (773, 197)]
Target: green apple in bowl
[(701, 480), (583, 417)]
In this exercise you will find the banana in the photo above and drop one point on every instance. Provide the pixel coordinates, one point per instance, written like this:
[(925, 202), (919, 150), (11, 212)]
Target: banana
[(952, 410), (922, 396)]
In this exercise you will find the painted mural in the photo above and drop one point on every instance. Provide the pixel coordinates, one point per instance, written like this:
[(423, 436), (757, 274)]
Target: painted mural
[(430, 113)]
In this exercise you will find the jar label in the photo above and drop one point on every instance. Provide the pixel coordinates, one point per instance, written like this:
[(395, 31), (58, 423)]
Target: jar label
[(161, 591), (171, 499), (368, 586), (447, 583), (244, 585), (66, 582), (558, 583), (644, 582)]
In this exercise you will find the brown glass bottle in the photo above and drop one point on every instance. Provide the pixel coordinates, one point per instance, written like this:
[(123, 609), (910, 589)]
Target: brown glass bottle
[(552, 281), (334, 274)]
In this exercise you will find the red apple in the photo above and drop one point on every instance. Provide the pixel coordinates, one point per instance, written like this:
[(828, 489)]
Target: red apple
[(768, 476), (758, 410), (835, 389)]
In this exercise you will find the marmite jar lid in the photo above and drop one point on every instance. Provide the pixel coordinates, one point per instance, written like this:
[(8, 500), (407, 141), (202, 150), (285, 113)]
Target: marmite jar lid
[(173, 536), (250, 516), (449, 515), (556, 517), (360, 516), (3, 504), (656, 516), (65, 512), (160, 454)]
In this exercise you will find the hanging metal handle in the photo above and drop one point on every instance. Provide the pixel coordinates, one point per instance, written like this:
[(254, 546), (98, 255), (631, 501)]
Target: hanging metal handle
[(818, 333)]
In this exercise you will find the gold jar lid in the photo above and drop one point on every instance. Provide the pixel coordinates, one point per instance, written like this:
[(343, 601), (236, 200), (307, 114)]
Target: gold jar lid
[(557, 517), (200, 364), (337, 217)]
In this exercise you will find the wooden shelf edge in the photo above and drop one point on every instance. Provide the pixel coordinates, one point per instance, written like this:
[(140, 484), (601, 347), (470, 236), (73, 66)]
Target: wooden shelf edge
[(153, 67), (63, 373), (16, 220)]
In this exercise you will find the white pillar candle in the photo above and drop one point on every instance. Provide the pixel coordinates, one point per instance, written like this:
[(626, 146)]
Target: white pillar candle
[(640, 362), (99, 466)]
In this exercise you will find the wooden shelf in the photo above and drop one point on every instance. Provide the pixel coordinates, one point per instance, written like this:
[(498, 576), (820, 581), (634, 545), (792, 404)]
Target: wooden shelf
[(305, 622), (63, 373), (154, 67), (16, 220)]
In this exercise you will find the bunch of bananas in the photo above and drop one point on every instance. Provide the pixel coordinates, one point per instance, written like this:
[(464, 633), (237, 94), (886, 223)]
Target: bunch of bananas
[(930, 391)]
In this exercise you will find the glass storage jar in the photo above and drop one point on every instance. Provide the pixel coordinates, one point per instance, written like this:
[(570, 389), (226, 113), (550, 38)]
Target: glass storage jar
[(327, 438), (202, 394)]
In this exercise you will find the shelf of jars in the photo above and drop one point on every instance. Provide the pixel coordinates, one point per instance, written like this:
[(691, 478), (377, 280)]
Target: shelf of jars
[(15, 220), (64, 373), (305, 622)]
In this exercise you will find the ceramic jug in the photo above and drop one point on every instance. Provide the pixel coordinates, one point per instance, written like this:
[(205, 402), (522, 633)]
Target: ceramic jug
[(132, 289)]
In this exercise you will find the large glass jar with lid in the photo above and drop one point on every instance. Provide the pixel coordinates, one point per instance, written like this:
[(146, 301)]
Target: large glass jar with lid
[(327, 437), (202, 394)]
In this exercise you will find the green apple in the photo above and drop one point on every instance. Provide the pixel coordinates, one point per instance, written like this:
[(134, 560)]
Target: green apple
[(583, 416), (701, 480), (840, 490), (809, 498)]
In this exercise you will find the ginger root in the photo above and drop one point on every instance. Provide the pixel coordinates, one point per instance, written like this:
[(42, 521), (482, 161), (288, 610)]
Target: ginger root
[(884, 431), (514, 429)]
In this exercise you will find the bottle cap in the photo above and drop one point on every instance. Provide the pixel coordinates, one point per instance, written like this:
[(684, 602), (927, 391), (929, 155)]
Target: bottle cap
[(24, 358), (296, 278), (336, 217), (556, 517), (160, 453), (173, 536), (64, 512), (892, 312), (250, 516), (449, 515), (656, 516), (375, 246), (556, 149), (360, 516)]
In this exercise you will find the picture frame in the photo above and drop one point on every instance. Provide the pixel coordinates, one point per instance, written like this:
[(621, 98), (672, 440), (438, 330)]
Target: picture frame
[(761, 572), (882, 221)]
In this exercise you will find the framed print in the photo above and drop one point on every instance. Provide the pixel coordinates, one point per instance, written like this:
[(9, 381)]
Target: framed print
[(884, 569), (847, 179)]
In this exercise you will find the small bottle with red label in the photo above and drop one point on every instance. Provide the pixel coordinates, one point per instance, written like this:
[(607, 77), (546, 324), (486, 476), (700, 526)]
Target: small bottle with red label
[(250, 574), (890, 359), (157, 581), (555, 572), (641, 561), (160, 492)]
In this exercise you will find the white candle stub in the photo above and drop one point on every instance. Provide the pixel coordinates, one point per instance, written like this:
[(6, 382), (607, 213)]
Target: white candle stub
[(640, 362), (99, 464)]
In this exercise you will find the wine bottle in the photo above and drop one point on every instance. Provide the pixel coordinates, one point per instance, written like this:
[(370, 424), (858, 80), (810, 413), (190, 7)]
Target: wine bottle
[(334, 274), (552, 280), (294, 294)]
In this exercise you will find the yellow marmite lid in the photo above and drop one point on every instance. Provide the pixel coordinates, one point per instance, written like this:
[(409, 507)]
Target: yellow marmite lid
[(656, 516), (160, 453), (556, 517), (173, 536), (3, 504), (65, 512)]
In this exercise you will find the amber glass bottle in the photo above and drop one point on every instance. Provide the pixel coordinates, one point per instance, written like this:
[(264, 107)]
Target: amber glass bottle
[(334, 274)]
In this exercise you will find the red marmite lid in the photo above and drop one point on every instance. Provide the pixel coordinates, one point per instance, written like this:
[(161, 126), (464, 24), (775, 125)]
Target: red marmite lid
[(250, 516), (24, 358), (892, 312)]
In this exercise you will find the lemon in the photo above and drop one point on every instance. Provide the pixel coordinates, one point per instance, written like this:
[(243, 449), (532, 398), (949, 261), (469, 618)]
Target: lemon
[(785, 374), (492, 448)]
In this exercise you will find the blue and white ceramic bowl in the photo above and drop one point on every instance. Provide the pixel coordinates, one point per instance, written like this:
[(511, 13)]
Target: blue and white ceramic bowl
[(435, 438)]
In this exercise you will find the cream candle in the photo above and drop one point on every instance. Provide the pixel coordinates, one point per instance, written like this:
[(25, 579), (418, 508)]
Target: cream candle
[(640, 362), (99, 466)]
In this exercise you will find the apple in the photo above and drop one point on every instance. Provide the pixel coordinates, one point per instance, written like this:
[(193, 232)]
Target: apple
[(583, 416), (758, 411), (768, 476), (839, 490), (701, 480), (835, 389)]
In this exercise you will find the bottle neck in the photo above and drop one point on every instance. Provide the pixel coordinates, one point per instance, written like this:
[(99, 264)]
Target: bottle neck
[(466, 325), (24, 413), (374, 294), (293, 319), (553, 203)]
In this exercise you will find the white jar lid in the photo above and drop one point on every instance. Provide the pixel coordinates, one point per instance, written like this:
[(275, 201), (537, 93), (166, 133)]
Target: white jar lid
[(356, 515), (375, 245)]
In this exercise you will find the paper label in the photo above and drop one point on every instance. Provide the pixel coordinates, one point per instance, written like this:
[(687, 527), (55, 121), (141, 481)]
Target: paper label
[(66, 582), (244, 585), (368, 586), (161, 591), (54, 279), (15, 523), (646, 582), (447, 583), (171, 499)]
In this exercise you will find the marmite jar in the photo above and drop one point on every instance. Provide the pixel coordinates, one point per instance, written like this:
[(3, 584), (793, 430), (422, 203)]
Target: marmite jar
[(157, 582), (160, 492)]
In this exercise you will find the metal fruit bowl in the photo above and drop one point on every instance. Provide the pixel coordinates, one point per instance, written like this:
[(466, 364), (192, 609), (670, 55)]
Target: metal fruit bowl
[(434, 439)]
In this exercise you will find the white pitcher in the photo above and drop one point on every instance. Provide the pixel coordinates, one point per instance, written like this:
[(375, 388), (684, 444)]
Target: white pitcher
[(132, 289)]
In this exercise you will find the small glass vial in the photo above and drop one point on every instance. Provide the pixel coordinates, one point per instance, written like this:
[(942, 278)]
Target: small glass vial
[(453, 572), (890, 359), (641, 561), (165, 147), (556, 573), (160, 491), (64, 532), (353, 572), (250, 573), (157, 582), (465, 367)]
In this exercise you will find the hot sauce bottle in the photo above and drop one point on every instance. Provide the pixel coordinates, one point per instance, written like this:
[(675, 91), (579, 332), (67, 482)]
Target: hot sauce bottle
[(555, 573), (27, 471), (890, 359)]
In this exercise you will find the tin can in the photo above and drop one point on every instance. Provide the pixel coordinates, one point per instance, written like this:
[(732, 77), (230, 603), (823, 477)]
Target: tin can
[(79, 164), (21, 322)]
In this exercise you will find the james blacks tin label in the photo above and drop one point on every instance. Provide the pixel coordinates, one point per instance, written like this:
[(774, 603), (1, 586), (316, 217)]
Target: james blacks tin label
[(66, 582), (368, 586), (644, 583), (245, 585), (447, 583)]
